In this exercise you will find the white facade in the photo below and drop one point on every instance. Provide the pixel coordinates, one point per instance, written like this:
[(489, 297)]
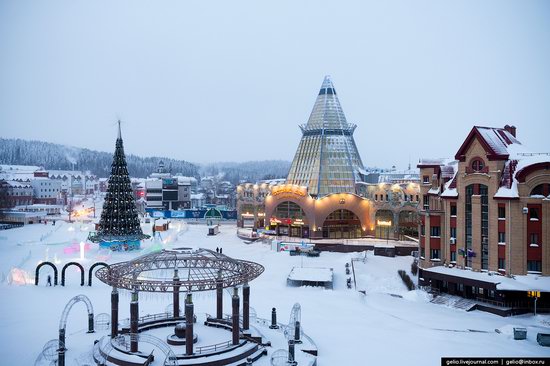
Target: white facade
[(45, 189)]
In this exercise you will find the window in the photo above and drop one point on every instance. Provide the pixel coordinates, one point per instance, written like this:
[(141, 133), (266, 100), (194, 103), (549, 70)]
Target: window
[(426, 202), (533, 214), (534, 239), (435, 231), (387, 198), (426, 179), (434, 254), (422, 230), (540, 190), (501, 237), (502, 212), (501, 263), (417, 198), (422, 252), (376, 197), (534, 266), (453, 210), (478, 165), (453, 256), (453, 232)]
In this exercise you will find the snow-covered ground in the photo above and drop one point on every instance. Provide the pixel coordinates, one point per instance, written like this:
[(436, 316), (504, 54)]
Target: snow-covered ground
[(348, 327)]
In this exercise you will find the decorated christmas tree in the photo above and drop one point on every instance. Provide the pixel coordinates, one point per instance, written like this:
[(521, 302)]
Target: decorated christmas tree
[(119, 227)]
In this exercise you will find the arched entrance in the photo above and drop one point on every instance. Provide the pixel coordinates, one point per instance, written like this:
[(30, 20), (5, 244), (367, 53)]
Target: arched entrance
[(37, 273), (342, 224), (289, 218), (90, 271), (383, 220), (72, 264), (408, 223), (63, 322)]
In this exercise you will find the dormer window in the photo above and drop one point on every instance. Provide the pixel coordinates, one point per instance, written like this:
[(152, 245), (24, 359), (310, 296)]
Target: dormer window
[(477, 165)]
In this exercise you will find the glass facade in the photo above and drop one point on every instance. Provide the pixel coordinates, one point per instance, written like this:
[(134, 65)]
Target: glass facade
[(327, 160), (342, 224), (289, 210), (468, 223), (484, 225), (484, 192)]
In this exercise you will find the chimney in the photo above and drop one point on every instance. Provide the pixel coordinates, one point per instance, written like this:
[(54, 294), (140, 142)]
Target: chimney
[(511, 129)]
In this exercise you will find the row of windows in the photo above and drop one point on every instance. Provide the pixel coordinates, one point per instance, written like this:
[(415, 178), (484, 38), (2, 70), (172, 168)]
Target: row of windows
[(435, 231), (532, 265), (407, 197)]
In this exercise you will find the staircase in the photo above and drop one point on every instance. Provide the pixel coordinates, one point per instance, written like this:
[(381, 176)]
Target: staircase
[(454, 302)]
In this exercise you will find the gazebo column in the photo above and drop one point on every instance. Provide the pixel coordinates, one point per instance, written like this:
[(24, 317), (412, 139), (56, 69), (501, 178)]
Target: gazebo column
[(176, 299), (219, 296), (114, 312), (235, 315), (189, 325), (246, 306), (134, 314)]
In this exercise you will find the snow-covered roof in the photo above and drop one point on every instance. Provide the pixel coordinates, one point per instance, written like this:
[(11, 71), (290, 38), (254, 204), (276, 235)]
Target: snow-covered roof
[(449, 189), (311, 274), (530, 282), (500, 144), (18, 184), (19, 168), (517, 163), (433, 190), (499, 139)]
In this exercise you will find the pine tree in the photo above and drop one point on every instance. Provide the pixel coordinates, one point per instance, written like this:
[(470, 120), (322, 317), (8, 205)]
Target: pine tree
[(119, 219)]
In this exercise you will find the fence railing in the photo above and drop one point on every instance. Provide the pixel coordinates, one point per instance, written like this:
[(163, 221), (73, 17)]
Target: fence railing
[(213, 347)]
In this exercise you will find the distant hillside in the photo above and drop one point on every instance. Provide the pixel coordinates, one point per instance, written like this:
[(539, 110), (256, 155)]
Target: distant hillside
[(251, 171), (55, 156)]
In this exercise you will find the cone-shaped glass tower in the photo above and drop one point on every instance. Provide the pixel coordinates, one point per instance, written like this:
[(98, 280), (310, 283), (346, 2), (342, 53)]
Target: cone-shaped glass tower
[(119, 226), (327, 160)]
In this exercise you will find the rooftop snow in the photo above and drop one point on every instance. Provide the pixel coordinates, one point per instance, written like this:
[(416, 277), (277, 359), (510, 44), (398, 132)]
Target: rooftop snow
[(311, 274), (529, 282)]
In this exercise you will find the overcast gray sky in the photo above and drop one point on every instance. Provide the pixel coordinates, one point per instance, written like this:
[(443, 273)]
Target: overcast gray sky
[(232, 80)]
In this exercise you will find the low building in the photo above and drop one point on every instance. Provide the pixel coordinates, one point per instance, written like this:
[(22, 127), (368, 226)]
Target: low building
[(15, 193), (22, 217), (167, 192), (46, 191), (379, 210), (198, 200), (487, 211)]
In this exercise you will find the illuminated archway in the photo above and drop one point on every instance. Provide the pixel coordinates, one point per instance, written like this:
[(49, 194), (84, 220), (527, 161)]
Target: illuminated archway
[(289, 218), (342, 224), (384, 221)]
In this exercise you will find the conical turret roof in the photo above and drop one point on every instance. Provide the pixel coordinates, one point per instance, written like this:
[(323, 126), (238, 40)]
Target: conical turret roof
[(327, 160), (327, 111)]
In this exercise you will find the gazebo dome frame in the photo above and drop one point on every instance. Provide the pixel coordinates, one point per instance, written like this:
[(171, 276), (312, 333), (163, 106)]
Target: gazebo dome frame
[(199, 270)]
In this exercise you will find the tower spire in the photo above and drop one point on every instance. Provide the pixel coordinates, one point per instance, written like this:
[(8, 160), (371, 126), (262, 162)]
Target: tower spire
[(327, 160), (119, 130)]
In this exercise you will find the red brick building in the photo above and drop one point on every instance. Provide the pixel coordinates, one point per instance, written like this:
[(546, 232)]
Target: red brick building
[(485, 227)]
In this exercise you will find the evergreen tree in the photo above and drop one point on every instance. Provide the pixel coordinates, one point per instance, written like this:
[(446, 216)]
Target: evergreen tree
[(119, 218)]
